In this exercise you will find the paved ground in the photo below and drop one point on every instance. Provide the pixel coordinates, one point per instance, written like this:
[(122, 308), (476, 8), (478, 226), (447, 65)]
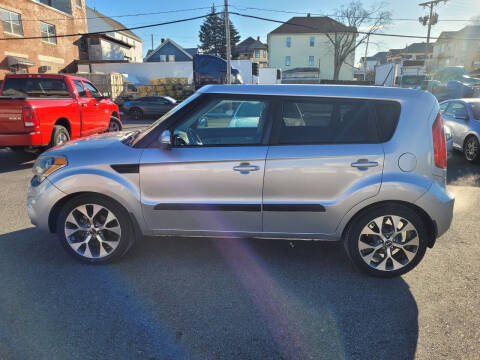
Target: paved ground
[(233, 299)]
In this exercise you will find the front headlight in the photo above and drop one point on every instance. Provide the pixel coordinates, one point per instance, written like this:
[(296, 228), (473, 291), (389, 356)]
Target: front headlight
[(448, 133), (46, 165)]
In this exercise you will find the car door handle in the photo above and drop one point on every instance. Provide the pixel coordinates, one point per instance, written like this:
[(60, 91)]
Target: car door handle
[(364, 163), (84, 105), (246, 167), (96, 104)]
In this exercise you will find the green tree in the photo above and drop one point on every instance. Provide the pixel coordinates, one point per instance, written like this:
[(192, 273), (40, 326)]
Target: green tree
[(212, 35)]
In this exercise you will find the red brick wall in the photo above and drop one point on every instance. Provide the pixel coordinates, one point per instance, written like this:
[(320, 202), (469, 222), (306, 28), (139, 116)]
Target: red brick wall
[(41, 53)]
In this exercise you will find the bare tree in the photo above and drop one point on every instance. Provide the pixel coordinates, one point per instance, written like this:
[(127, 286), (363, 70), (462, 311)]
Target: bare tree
[(359, 23)]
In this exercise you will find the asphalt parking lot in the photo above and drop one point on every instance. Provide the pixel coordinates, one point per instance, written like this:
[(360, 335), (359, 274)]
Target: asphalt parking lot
[(175, 298)]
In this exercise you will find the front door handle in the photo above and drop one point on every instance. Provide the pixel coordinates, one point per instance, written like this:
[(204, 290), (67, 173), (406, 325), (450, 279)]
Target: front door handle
[(84, 105), (245, 168), (96, 104), (364, 163)]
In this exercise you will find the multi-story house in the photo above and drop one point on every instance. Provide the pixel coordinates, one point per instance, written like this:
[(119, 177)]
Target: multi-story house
[(458, 48), (253, 50), (170, 51), (415, 51), (114, 45), (301, 46), (43, 19)]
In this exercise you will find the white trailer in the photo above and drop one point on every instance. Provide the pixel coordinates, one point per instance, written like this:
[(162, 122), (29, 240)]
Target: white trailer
[(385, 74), (269, 76)]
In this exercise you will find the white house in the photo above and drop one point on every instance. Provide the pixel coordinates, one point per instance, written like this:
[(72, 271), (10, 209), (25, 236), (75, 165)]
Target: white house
[(301, 47), (115, 45)]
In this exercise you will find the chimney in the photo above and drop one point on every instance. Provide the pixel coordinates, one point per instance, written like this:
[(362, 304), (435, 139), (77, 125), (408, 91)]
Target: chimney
[(163, 40), (258, 38), (308, 15)]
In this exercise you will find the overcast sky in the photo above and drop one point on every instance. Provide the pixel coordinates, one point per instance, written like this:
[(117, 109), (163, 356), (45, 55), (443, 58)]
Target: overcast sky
[(186, 34)]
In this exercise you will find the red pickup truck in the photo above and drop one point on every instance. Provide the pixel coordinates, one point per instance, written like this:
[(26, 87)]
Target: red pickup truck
[(43, 110)]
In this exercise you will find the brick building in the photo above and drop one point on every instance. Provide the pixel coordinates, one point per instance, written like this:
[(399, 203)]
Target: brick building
[(25, 18)]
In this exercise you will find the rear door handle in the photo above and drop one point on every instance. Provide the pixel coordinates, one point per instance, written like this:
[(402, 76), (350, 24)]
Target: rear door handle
[(96, 104), (245, 168), (364, 163)]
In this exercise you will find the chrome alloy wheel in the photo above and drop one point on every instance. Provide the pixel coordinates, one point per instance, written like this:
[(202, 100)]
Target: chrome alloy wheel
[(388, 243), (471, 148), (61, 138), (92, 231)]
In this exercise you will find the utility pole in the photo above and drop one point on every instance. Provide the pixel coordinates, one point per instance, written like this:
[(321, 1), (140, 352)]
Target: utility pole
[(227, 38), (365, 59), (431, 19), (152, 41)]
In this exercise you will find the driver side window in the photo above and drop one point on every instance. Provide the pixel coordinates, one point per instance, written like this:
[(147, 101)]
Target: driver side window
[(222, 122)]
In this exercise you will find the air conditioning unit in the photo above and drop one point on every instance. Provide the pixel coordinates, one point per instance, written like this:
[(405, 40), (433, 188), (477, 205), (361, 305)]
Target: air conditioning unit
[(44, 69)]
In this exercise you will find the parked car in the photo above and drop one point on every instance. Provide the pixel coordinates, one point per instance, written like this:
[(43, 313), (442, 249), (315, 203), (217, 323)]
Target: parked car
[(362, 165), (44, 110), (462, 116), (149, 105)]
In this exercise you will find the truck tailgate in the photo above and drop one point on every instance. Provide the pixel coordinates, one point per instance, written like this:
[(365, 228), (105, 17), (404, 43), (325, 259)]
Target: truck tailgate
[(11, 116)]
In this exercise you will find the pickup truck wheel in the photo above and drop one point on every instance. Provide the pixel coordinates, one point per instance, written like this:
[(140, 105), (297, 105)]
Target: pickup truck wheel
[(59, 135), (115, 125), (136, 114)]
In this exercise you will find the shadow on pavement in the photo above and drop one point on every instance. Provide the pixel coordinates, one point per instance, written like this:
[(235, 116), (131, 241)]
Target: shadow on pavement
[(175, 298), (13, 161), (461, 172)]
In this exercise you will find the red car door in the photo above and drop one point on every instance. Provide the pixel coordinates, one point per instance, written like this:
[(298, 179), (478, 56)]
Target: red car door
[(101, 116), (88, 109)]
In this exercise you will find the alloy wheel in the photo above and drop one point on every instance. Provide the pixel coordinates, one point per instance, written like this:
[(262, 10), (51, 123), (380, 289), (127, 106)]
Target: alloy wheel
[(471, 148), (388, 243), (61, 138), (92, 231), (114, 126)]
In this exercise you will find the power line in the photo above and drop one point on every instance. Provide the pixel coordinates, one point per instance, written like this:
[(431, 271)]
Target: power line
[(331, 15), (107, 31)]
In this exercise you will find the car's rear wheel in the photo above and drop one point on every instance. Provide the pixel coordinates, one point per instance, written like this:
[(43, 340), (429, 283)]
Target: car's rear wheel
[(471, 149), (136, 114), (95, 229), (60, 135), (115, 125), (386, 241)]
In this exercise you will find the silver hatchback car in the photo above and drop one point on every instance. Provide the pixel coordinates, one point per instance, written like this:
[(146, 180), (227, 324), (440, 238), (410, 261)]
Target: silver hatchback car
[(462, 116), (362, 165)]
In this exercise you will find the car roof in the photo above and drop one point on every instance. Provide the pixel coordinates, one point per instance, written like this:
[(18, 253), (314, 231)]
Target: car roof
[(345, 91)]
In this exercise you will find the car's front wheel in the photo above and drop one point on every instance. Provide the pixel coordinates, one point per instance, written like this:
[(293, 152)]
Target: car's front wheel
[(95, 229), (136, 114), (115, 125), (471, 149), (386, 241)]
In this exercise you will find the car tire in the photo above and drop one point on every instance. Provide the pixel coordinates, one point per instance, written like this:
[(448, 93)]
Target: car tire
[(95, 229), (379, 252), (136, 114), (471, 149), (59, 135), (114, 125)]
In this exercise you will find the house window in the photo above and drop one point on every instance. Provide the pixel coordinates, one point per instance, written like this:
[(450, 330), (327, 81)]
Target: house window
[(78, 3), (171, 58), (11, 22), (311, 60), (48, 33), (287, 60), (289, 41), (312, 41), (163, 57), (257, 53), (264, 53)]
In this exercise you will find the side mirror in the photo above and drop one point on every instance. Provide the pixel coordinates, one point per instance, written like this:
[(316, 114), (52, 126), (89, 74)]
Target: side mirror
[(165, 139)]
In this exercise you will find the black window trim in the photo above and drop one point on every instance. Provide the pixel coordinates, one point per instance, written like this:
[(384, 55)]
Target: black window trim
[(275, 134)]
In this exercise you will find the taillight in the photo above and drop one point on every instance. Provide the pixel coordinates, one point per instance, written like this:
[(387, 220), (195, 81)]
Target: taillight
[(439, 145), (29, 116)]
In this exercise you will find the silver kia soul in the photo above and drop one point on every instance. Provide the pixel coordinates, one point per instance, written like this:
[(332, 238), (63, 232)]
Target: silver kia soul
[(362, 165)]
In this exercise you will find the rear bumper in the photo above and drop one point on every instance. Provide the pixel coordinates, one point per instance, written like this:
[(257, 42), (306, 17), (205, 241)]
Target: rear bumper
[(33, 138), (438, 203)]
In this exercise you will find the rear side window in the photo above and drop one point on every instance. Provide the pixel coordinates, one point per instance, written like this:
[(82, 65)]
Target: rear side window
[(81, 90), (327, 122), (35, 87), (387, 113)]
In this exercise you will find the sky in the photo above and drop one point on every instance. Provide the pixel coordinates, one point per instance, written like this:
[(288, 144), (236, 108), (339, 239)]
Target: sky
[(186, 34)]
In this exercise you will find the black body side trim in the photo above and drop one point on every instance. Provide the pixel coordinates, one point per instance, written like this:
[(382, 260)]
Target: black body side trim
[(209, 207), (294, 207), (126, 168)]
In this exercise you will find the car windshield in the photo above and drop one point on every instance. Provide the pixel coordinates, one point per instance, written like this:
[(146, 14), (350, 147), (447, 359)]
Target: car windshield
[(475, 109), (179, 106)]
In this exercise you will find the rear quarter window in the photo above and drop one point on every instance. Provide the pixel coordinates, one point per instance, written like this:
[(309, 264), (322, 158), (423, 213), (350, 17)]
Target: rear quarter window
[(387, 114)]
